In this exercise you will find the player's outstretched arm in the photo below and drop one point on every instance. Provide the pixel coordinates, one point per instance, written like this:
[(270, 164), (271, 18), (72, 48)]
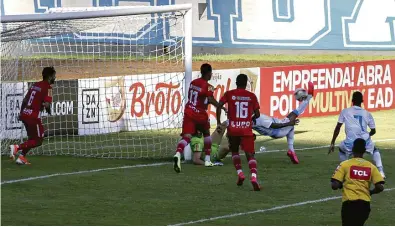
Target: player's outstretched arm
[(256, 115), (282, 125), (334, 137), (372, 125), (219, 111), (215, 103)]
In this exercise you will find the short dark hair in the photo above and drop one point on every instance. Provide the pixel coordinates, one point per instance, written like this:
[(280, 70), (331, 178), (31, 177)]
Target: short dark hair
[(359, 146), (205, 69), (357, 98), (242, 80), (48, 71)]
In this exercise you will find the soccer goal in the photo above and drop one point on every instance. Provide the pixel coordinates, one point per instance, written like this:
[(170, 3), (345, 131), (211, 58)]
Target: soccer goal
[(122, 73)]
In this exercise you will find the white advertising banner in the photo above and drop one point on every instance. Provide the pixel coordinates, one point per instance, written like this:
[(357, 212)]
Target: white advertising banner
[(145, 102), (130, 103), (11, 101)]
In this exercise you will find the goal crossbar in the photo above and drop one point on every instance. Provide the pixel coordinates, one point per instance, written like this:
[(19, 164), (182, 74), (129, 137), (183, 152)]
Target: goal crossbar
[(94, 14)]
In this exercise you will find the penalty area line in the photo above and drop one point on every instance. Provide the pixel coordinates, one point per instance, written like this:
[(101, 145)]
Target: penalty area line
[(264, 210), (141, 166)]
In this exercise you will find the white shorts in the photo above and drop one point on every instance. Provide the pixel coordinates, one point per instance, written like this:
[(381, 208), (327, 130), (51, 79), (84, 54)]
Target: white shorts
[(346, 146), (274, 133)]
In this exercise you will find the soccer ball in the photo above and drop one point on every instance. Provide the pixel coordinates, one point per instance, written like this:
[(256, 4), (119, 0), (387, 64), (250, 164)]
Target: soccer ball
[(300, 94)]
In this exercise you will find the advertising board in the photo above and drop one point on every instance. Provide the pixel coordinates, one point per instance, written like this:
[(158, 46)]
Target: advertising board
[(130, 103), (63, 118), (64, 109), (11, 101), (334, 85), (145, 102)]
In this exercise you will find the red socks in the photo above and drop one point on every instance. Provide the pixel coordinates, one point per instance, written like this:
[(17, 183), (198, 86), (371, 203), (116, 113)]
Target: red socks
[(252, 164), (182, 144), (27, 145), (207, 145), (236, 161)]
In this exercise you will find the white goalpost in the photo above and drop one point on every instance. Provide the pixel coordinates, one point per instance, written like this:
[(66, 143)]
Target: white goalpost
[(122, 75)]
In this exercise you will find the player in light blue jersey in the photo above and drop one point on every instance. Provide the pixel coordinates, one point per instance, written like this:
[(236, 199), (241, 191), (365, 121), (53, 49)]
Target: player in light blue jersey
[(280, 128), (356, 120)]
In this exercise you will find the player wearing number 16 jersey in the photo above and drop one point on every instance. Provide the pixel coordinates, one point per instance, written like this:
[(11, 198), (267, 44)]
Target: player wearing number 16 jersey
[(243, 108), (356, 121), (37, 98), (196, 118)]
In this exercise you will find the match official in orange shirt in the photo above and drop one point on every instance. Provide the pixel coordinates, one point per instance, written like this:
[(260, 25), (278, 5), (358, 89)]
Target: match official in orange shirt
[(355, 177)]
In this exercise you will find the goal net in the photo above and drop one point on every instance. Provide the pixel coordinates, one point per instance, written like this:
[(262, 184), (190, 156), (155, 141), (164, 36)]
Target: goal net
[(121, 75)]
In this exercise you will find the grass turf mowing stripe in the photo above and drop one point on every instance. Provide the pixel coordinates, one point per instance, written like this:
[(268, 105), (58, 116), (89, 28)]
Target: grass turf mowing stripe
[(265, 210), (142, 165)]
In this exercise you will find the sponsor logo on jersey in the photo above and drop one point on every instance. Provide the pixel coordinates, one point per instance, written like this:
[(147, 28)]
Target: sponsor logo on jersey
[(360, 173), (240, 124), (196, 88), (241, 98)]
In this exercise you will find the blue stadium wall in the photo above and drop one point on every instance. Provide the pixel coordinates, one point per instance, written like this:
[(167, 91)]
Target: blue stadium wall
[(265, 24)]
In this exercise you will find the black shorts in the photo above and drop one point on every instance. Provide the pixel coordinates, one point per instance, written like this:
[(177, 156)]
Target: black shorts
[(355, 212)]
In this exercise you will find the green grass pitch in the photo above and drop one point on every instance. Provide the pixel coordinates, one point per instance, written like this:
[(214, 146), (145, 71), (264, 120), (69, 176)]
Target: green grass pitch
[(156, 195)]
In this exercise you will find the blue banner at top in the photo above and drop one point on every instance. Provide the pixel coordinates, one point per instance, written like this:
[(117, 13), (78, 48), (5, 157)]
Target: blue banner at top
[(277, 24)]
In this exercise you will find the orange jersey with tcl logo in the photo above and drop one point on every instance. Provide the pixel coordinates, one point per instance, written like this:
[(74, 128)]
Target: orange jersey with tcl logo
[(357, 174)]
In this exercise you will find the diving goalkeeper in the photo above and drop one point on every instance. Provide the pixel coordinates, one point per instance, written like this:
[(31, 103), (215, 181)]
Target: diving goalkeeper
[(197, 145)]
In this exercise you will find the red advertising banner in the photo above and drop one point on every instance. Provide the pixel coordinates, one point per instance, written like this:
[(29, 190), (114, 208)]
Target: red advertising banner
[(334, 85)]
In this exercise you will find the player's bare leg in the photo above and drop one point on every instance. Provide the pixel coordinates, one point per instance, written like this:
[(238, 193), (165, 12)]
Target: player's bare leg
[(197, 158), (223, 151), (186, 139)]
